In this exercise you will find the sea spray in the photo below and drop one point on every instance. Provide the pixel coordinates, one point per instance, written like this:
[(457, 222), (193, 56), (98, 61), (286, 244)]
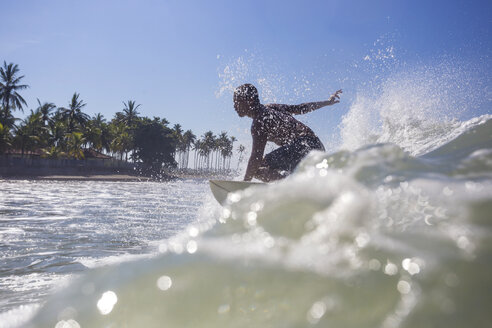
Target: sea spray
[(417, 107)]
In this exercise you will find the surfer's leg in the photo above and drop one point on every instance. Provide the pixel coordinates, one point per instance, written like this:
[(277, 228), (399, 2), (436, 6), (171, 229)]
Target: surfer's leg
[(276, 164), (280, 159), (267, 174), (283, 160)]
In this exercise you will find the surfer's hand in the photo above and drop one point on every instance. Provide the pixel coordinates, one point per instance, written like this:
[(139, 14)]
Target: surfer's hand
[(334, 98)]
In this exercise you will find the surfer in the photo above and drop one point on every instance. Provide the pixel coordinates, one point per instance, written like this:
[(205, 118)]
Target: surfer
[(275, 123)]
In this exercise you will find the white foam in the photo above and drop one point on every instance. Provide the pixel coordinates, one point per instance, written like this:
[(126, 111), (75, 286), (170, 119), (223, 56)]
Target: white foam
[(18, 316), (112, 260), (418, 109)]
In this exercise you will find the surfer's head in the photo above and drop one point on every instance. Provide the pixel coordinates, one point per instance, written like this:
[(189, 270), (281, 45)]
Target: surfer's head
[(246, 100)]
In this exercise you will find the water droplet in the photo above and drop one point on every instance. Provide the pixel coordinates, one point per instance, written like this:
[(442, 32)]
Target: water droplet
[(257, 206), (107, 301), (411, 266), (316, 311), (226, 213), (234, 197), (463, 243), (390, 269), (362, 239), (251, 218), (447, 191), (427, 219), (322, 165), (191, 247), (374, 265), (177, 248), (193, 232), (403, 287), (164, 283)]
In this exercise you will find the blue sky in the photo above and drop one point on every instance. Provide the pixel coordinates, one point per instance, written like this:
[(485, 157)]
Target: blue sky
[(173, 57)]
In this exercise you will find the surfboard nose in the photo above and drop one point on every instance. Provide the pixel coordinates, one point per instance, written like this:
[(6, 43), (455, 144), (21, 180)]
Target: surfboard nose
[(221, 188)]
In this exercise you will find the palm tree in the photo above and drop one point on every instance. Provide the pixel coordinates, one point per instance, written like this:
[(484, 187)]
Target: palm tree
[(121, 142), (93, 135), (95, 132), (56, 131), (241, 150), (130, 113), (196, 147), (162, 121), (224, 146), (9, 85), (180, 147), (105, 138), (6, 118), (45, 110), (4, 138), (73, 114), (98, 119), (208, 145), (31, 133), (230, 148), (130, 118), (75, 142), (188, 139), (53, 152)]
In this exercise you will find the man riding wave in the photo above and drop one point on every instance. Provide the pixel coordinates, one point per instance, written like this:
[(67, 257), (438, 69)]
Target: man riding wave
[(275, 123)]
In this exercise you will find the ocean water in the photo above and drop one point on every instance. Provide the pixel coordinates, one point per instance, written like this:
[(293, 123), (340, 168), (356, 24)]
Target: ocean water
[(391, 228), (371, 237), (51, 232)]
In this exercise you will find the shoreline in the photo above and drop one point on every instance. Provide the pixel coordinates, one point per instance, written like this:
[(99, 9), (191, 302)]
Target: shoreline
[(89, 177), (114, 177)]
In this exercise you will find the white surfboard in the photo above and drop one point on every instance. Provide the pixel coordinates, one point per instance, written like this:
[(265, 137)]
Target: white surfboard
[(221, 188)]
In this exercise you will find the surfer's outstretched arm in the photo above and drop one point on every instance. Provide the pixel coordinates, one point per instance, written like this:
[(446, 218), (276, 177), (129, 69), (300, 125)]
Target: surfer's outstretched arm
[(308, 107)]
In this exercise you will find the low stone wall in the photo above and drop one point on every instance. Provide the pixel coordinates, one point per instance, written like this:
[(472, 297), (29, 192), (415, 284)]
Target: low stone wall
[(35, 166)]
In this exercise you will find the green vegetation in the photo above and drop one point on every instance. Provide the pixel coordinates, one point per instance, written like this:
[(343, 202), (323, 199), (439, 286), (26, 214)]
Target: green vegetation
[(65, 132)]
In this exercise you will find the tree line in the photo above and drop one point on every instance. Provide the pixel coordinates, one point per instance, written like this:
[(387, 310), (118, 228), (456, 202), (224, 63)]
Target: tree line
[(65, 132)]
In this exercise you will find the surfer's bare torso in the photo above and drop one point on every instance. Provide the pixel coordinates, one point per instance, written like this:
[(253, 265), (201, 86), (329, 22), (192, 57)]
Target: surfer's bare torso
[(275, 124)]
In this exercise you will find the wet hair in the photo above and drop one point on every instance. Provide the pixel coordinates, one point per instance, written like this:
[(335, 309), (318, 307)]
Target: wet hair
[(246, 92)]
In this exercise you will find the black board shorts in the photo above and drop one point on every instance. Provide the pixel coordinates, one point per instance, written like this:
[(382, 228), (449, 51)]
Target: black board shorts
[(287, 157)]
